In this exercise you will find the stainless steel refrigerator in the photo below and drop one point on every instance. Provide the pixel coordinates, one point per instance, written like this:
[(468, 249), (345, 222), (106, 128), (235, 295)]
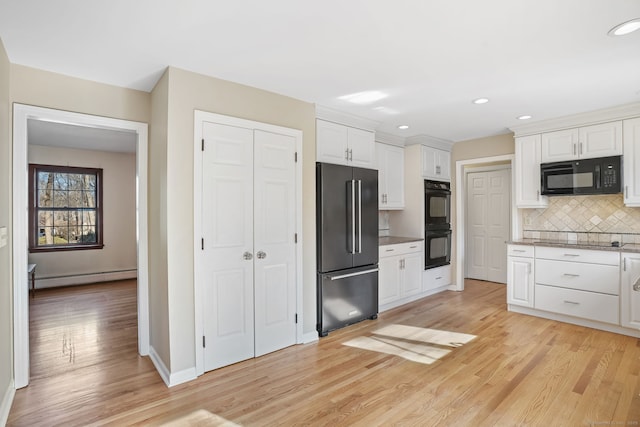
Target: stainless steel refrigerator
[(347, 239)]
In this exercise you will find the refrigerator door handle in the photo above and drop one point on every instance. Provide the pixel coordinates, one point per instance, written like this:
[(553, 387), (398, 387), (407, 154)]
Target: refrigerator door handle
[(353, 216), (359, 216), (359, 273)]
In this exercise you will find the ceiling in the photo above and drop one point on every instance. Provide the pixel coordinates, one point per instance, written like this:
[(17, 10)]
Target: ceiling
[(54, 134), (544, 58)]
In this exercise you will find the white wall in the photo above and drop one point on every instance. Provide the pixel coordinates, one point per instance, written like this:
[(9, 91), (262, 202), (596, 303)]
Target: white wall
[(119, 215)]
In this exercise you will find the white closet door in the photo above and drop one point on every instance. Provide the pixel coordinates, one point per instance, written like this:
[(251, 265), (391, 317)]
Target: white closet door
[(227, 204), (274, 242)]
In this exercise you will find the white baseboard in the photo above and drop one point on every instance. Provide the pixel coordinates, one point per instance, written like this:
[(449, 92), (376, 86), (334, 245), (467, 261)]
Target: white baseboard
[(5, 405), (171, 379), (84, 279), (309, 337)]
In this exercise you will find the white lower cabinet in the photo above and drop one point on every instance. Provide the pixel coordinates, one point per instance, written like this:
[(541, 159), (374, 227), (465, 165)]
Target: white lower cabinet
[(400, 275), (520, 272), (435, 278), (630, 291), (578, 282)]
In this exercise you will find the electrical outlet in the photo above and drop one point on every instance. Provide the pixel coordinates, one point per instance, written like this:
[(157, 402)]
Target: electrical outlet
[(527, 220), (3, 236)]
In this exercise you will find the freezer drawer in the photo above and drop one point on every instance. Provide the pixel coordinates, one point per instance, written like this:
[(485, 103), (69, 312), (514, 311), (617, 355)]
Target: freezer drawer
[(346, 297)]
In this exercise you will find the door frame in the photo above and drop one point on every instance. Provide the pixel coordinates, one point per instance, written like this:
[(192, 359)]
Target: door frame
[(461, 196), (22, 113), (477, 169), (199, 118)]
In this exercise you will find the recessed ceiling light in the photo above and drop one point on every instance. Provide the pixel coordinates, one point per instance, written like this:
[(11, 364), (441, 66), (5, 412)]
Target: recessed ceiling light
[(625, 28), (481, 101), (364, 98), (403, 127), (525, 117)]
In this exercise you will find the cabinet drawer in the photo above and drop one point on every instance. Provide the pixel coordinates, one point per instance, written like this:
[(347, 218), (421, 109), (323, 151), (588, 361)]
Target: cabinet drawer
[(578, 255), (587, 305), (400, 249), (520, 250), (434, 278), (576, 275)]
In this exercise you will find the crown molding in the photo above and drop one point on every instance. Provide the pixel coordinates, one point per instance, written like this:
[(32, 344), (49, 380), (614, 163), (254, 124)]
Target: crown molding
[(336, 116), (583, 119), (430, 141), (387, 138)]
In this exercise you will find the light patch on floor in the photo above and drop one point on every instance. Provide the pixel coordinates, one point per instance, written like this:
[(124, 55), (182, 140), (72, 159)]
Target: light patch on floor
[(200, 418), (420, 345)]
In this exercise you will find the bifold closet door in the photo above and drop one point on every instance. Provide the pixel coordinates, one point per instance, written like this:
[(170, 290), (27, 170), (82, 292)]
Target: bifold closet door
[(249, 205)]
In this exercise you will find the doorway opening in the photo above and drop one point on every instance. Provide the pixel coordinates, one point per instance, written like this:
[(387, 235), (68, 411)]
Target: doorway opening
[(27, 121)]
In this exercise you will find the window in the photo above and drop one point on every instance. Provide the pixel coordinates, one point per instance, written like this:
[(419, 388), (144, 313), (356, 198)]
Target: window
[(65, 208)]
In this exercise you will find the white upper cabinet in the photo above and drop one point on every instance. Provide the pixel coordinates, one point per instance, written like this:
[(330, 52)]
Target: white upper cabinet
[(390, 176), (435, 164), (527, 173), (586, 142), (345, 145), (631, 165)]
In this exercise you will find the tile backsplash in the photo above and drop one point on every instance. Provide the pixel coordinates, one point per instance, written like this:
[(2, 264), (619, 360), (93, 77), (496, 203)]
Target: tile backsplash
[(584, 218)]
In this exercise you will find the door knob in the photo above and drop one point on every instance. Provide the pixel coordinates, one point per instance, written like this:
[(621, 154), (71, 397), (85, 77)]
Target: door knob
[(261, 255), (247, 255)]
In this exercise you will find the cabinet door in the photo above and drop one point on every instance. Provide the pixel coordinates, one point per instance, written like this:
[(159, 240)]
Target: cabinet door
[(527, 173), (331, 142), (412, 274), (362, 146), (390, 176), (520, 281), (631, 160), (601, 140), (630, 297), (388, 279), (443, 168), (560, 145), (429, 162)]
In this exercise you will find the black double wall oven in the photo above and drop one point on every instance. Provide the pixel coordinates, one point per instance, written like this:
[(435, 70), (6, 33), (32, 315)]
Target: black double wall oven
[(437, 213)]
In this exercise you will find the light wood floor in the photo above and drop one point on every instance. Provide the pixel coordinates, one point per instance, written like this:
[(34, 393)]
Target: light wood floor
[(519, 370)]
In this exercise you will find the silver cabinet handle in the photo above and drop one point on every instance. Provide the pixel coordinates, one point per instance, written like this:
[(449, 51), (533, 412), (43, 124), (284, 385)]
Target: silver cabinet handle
[(574, 149), (261, 255), (581, 148), (389, 250), (439, 278), (518, 250), (412, 247), (247, 255), (351, 154), (571, 302), (438, 170), (346, 154), (571, 255), (571, 275)]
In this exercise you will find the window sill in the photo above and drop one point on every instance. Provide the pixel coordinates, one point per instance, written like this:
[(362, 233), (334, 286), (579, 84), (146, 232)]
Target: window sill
[(64, 248)]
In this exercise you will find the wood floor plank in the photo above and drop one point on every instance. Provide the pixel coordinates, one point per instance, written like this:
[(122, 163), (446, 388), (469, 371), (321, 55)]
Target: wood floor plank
[(518, 370)]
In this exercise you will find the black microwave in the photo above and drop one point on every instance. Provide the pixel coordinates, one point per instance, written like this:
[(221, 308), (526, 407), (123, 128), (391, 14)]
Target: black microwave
[(588, 176)]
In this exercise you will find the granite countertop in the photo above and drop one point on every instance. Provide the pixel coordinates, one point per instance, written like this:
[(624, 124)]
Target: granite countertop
[(600, 246), (393, 240)]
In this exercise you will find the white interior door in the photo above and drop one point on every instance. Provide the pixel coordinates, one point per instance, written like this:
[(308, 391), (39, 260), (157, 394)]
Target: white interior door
[(274, 242), (227, 226), (477, 225), (488, 224)]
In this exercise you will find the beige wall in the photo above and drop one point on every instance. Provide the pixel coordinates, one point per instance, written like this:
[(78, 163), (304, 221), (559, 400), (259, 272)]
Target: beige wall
[(45, 89), (119, 213), (157, 200), (189, 91), (498, 145), (6, 280)]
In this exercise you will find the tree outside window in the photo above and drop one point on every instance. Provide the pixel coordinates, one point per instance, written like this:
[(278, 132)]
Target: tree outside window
[(65, 209)]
